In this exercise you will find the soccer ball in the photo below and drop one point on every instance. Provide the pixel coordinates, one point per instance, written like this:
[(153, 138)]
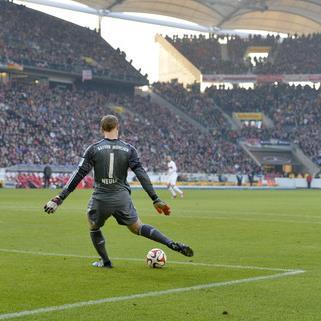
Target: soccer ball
[(156, 258)]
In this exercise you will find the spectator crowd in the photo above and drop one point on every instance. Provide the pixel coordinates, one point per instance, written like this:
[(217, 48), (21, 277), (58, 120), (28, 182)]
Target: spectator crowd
[(34, 39), (54, 125), (297, 54), (294, 111), (199, 107)]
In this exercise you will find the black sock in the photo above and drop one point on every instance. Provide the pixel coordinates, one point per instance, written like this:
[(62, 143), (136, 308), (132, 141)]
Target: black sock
[(153, 234), (99, 244)]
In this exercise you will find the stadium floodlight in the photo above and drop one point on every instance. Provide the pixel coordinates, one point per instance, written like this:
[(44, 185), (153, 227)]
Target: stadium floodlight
[(168, 22)]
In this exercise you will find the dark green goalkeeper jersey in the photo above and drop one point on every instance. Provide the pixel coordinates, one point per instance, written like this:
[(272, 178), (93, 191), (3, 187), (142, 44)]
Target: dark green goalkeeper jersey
[(110, 160)]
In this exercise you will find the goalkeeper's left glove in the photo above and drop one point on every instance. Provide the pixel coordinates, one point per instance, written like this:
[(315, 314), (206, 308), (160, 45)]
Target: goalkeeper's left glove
[(161, 207), (52, 205)]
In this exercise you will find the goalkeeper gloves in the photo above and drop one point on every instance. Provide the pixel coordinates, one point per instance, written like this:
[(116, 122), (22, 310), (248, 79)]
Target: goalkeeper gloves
[(161, 207), (52, 205)]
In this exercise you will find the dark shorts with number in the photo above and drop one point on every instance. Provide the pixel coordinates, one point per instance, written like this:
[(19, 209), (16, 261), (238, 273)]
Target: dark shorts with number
[(123, 211)]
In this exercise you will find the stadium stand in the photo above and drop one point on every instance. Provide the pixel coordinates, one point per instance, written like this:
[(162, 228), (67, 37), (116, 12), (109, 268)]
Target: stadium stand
[(204, 53), (292, 55), (54, 125), (34, 39), (296, 55), (295, 111), (199, 107)]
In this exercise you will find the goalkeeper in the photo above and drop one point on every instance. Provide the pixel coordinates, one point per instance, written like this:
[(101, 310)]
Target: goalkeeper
[(110, 158)]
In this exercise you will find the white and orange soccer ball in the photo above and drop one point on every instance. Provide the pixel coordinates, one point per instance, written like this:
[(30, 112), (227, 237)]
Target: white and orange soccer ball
[(156, 258)]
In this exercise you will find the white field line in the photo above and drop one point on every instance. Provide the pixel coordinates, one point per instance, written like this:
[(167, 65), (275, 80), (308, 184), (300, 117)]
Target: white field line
[(8, 316), (232, 266)]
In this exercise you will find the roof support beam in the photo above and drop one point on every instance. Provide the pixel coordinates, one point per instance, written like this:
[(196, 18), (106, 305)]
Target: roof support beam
[(120, 15)]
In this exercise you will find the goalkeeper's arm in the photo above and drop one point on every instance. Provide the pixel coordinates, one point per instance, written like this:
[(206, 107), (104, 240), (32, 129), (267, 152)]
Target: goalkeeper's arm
[(147, 185), (84, 168)]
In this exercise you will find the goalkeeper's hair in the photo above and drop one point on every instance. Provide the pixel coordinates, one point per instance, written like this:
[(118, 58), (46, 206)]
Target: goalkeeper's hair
[(108, 123)]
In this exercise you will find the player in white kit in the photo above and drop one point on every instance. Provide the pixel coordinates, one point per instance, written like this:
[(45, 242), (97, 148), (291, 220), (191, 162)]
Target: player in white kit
[(172, 178)]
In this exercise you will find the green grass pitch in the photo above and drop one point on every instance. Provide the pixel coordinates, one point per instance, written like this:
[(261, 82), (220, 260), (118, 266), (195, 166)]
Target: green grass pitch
[(231, 232)]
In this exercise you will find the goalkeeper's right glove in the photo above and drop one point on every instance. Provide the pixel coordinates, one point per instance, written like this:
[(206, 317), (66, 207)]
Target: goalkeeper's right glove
[(52, 205), (161, 207)]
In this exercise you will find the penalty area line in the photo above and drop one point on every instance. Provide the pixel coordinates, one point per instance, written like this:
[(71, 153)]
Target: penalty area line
[(8, 316), (228, 266)]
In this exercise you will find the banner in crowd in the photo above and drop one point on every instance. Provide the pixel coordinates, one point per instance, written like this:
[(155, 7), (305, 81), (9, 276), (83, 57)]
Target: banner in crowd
[(229, 78), (273, 141), (87, 75), (248, 116), (119, 109), (261, 78), (11, 66), (90, 61), (269, 142)]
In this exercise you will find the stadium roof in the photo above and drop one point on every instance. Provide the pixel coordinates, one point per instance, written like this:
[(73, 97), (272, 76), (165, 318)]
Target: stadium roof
[(287, 16)]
